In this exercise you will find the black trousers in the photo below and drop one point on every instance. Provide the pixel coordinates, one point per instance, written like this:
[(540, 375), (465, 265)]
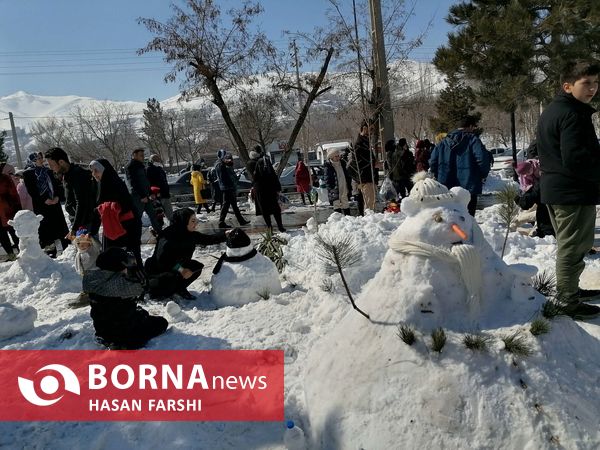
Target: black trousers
[(5, 240), (472, 206), (165, 284), (230, 199)]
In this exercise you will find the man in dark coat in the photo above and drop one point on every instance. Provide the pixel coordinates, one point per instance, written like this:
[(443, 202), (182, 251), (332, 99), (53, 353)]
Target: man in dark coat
[(158, 177), (401, 163), (80, 192), (44, 189), (570, 165), (228, 186), (118, 321), (461, 159), (171, 268), (363, 167), (266, 187), (140, 188)]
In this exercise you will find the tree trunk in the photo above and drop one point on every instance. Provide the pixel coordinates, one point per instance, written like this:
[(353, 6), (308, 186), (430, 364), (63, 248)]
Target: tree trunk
[(314, 93), (513, 138), (220, 103)]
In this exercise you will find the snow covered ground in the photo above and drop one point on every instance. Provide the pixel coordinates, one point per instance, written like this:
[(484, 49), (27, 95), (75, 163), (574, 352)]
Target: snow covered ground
[(548, 400)]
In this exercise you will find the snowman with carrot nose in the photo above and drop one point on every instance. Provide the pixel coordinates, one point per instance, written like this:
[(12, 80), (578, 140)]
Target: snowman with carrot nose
[(439, 269)]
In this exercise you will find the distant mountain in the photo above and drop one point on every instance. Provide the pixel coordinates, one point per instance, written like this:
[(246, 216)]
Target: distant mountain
[(416, 78)]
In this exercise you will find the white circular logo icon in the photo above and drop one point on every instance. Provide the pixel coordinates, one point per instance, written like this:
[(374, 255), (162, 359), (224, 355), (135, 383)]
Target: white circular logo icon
[(49, 385)]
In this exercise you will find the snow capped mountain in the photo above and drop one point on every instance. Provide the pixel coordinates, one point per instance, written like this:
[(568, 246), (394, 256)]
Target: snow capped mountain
[(408, 79)]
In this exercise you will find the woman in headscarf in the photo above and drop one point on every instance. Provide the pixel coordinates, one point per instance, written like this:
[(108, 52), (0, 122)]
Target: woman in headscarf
[(171, 268), (44, 189), (121, 226)]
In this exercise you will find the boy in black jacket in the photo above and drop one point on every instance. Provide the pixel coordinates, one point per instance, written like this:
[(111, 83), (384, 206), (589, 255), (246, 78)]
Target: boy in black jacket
[(570, 163)]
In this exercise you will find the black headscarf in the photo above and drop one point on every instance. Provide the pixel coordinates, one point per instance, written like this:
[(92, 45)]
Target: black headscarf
[(112, 188), (181, 218)]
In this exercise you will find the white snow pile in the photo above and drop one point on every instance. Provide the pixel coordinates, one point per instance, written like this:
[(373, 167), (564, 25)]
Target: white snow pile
[(365, 388), (351, 382)]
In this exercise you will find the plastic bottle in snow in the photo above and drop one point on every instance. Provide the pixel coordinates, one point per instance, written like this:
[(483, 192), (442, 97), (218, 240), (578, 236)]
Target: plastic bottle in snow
[(293, 437)]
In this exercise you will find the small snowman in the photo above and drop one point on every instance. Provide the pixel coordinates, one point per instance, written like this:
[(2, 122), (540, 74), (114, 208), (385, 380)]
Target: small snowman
[(242, 275), (31, 260)]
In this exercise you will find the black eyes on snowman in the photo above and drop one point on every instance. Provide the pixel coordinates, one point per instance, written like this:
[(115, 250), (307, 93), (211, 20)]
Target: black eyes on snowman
[(438, 218)]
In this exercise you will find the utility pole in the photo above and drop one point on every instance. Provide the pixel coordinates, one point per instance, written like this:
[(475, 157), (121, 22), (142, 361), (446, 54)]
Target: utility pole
[(15, 141), (359, 64), (304, 137), (384, 104)]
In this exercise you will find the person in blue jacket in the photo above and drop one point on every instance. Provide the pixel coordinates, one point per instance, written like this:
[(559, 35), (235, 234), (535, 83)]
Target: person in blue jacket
[(461, 159)]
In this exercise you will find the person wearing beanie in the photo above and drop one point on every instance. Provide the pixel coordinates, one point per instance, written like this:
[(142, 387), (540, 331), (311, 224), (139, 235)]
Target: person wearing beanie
[(158, 178), (228, 185), (461, 159), (119, 322), (401, 164), (122, 227), (171, 268), (338, 181), (44, 189), (199, 184), (266, 188)]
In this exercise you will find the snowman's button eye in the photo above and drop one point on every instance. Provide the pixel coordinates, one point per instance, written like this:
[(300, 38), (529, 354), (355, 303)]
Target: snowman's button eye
[(438, 218)]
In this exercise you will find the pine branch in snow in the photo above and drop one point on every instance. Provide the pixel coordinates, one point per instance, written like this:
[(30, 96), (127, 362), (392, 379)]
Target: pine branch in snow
[(338, 253), (552, 308), (271, 246), (264, 294), (326, 285), (438, 339), (539, 326), (545, 283), (508, 211), (479, 342), (516, 344), (407, 334)]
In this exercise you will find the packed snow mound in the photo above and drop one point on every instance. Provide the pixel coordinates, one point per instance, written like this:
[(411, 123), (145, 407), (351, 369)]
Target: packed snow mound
[(411, 393), (15, 320), (239, 283), (34, 275)]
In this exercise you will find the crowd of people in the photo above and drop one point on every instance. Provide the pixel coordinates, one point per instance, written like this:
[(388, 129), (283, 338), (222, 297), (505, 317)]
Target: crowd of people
[(563, 183)]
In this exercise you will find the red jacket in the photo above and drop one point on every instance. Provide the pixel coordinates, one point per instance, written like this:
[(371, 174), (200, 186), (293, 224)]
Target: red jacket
[(10, 202), (111, 217), (302, 177)]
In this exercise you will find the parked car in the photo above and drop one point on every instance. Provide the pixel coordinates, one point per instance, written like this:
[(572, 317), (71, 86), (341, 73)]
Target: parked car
[(505, 160), (287, 180)]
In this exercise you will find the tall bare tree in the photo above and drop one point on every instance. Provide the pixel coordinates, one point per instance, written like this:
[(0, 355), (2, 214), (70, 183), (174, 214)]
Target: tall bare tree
[(213, 54), (257, 115), (110, 127)]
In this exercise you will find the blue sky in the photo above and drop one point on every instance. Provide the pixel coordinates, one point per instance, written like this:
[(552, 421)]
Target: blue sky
[(53, 47)]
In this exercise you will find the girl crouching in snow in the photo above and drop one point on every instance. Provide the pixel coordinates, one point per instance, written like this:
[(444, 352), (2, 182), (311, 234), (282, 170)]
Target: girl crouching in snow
[(118, 321), (88, 250)]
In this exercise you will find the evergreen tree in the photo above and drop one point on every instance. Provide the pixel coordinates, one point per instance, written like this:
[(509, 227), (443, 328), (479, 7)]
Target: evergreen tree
[(454, 102), (513, 50), (154, 130)]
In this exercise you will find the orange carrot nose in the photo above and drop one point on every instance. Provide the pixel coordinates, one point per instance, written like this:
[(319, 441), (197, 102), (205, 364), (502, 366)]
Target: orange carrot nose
[(458, 230)]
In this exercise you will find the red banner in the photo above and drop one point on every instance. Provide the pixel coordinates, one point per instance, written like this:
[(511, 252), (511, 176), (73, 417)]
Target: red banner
[(142, 385)]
